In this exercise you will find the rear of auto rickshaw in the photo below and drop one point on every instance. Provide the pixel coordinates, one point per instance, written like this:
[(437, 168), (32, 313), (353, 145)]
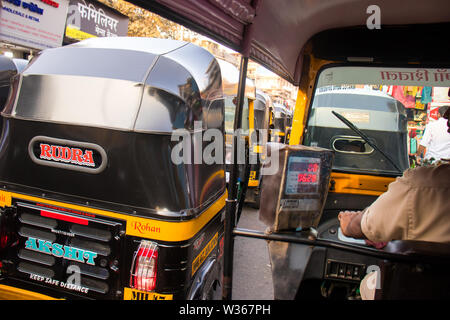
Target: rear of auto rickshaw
[(316, 45), (94, 203), (282, 119), (253, 133), (259, 136), (377, 114), (230, 82)]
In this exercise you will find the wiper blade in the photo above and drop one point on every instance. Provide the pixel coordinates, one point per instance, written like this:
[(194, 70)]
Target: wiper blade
[(365, 138)]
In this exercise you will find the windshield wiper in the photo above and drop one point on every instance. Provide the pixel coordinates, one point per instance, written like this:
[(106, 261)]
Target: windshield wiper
[(365, 138)]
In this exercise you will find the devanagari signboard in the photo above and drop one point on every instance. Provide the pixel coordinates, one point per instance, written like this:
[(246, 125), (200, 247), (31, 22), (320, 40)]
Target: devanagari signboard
[(33, 24), (87, 19), (411, 76)]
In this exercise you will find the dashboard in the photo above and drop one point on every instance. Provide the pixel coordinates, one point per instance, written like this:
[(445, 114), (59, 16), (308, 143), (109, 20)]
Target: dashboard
[(341, 265)]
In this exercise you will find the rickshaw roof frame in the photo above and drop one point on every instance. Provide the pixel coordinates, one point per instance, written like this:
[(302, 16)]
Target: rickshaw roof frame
[(400, 108), (278, 107), (147, 55), (149, 45), (264, 97)]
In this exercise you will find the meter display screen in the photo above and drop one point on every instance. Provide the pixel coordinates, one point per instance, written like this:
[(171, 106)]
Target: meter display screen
[(303, 175)]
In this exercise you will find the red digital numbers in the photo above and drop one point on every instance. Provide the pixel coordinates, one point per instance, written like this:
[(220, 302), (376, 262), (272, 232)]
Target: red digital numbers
[(313, 167), (307, 177)]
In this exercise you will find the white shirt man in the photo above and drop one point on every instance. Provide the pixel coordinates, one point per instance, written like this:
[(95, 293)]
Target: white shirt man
[(436, 140)]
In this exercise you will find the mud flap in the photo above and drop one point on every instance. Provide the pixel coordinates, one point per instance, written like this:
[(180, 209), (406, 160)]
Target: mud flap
[(204, 281)]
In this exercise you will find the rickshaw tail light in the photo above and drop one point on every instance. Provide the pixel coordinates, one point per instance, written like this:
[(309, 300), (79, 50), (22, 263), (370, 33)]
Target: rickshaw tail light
[(3, 233), (3, 241), (144, 266)]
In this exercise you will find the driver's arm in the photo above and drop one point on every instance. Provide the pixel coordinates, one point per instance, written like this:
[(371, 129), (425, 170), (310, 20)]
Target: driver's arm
[(391, 215), (387, 219)]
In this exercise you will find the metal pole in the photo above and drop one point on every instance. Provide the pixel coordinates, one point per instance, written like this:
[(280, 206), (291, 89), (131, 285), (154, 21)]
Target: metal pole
[(231, 203)]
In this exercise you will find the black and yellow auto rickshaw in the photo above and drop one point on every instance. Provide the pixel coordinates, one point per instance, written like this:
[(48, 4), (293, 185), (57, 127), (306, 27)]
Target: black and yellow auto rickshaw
[(230, 83), (260, 118), (254, 128), (315, 45), (377, 114), (92, 204), (282, 119)]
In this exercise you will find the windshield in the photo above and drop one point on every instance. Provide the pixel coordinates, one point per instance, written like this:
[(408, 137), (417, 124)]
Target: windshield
[(390, 109)]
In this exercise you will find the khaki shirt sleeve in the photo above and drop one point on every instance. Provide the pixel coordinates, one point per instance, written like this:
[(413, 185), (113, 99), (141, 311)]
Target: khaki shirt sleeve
[(388, 217)]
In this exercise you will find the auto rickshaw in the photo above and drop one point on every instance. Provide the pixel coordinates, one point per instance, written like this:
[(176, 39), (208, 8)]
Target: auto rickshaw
[(314, 45), (282, 118), (378, 114), (230, 82), (93, 204), (254, 129), (259, 136)]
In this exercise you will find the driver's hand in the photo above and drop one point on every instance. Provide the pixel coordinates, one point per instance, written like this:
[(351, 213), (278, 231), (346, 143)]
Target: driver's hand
[(378, 245), (345, 217)]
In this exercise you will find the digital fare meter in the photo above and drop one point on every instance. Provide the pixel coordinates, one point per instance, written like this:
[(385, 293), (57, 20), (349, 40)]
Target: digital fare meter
[(294, 196), (302, 175)]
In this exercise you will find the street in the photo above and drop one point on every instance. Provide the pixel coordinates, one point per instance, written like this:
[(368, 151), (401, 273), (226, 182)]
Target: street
[(252, 277)]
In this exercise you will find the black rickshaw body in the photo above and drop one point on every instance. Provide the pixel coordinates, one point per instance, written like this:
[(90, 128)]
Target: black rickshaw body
[(93, 203)]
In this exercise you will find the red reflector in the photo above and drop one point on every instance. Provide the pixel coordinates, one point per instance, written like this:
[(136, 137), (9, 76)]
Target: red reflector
[(64, 217), (145, 267)]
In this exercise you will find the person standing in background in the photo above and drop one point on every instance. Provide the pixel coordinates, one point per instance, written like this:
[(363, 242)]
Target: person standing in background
[(435, 142)]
